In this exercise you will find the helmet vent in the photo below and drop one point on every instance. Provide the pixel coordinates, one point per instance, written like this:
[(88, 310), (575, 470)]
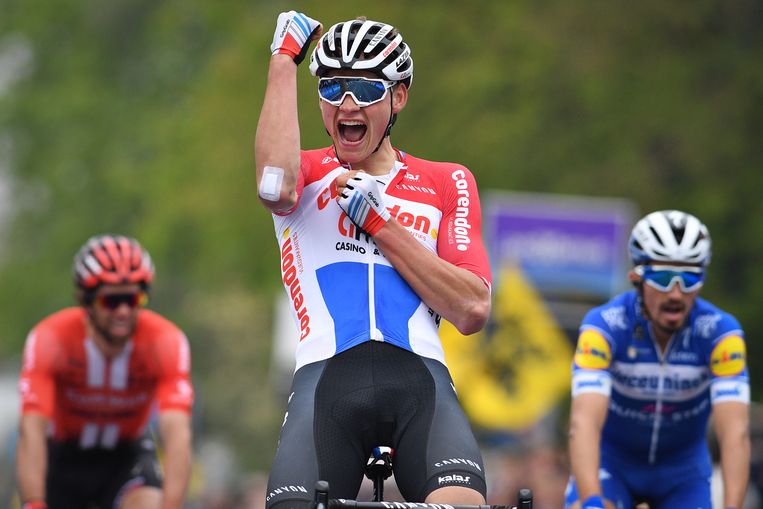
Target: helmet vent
[(656, 235), (679, 234)]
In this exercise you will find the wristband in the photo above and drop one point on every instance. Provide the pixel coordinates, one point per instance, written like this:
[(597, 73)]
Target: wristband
[(593, 502)]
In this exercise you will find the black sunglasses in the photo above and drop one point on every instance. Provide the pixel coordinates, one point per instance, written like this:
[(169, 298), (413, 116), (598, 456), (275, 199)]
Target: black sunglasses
[(114, 300)]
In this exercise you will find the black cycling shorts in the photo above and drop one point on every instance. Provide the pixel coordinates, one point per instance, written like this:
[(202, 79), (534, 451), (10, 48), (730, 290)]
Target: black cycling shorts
[(374, 394), (99, 478)]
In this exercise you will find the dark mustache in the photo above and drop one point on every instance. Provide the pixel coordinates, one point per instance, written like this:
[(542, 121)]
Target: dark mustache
[(673, 304)]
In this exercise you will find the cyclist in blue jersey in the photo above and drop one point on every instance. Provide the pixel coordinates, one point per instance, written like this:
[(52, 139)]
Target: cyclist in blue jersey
[(376, 246), (651, 367)]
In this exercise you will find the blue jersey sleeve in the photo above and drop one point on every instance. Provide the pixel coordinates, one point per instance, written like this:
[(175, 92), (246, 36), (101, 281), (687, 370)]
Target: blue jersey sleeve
[(595, 349), (725, 354)]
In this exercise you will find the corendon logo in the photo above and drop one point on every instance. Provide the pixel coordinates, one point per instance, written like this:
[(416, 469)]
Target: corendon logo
[(290, 279), (461, 223), (348, 228)]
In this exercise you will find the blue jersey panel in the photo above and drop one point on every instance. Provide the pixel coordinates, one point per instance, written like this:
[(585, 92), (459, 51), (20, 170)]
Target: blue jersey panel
[(347, 304), (395, 304)]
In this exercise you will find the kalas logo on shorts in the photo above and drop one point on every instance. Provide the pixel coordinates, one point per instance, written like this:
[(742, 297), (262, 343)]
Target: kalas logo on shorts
[(291, 281)]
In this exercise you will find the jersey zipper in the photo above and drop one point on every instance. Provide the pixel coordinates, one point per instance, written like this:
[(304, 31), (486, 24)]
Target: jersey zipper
[(658, 401), (374, 331), (371, 298)]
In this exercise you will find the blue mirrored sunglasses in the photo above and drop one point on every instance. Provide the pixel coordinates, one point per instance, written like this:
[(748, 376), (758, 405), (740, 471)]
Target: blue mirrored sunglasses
[(364, 91), (663, 277)]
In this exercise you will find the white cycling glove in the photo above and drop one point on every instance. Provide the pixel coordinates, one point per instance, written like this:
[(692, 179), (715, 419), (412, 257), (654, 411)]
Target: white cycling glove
[(362, 201), (293, 34)]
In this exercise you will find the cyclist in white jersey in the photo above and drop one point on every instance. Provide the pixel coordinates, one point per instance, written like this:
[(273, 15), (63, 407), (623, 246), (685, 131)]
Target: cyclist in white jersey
[(376, 246)]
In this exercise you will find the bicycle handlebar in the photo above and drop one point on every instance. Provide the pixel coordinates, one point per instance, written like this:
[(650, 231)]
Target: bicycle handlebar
[(524, 498), (338, 503)]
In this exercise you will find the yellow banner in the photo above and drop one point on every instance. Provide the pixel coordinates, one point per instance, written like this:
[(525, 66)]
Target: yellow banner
[(516, 370)]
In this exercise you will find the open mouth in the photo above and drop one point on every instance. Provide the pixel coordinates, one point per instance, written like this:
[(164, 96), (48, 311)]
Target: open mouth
[(352, 131), (673, 307), (673, 311)]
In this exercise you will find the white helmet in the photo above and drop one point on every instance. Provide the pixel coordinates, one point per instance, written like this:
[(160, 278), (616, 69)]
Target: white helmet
[(363, 45), (670, 236)]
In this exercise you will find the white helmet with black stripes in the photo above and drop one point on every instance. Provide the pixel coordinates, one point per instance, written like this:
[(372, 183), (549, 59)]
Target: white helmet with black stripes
[(363, 45), (670, 236)]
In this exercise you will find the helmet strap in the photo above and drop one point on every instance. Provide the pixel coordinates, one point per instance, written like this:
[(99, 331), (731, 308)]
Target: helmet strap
[(390, 123), (641, 304)]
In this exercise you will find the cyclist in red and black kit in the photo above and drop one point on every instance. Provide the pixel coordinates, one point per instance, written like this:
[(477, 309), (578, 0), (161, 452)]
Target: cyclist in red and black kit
[(376, 246), (92, 376)]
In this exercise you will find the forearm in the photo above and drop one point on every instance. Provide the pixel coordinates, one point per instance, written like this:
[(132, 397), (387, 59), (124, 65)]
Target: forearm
[(454, 293), (584, 446), (32, 459), (732, 424), (277, 142), (587, 417), (177, 472), (735, 466), (176, 440)]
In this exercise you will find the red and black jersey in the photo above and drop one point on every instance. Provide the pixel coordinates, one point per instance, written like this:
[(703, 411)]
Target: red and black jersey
[(99, 401)]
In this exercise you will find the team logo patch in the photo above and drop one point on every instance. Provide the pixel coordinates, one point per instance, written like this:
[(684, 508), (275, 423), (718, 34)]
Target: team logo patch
[(728, 357), (593, 351)]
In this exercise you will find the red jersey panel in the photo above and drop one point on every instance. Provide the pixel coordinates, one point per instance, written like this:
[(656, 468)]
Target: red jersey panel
[(95, 400)]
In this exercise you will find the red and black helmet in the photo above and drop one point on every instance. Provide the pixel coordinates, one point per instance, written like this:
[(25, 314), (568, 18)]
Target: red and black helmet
[(113, 260)]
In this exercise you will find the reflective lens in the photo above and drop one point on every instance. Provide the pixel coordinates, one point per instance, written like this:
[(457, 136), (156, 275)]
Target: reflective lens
[(113, 301), (364, 91), (663, 277)]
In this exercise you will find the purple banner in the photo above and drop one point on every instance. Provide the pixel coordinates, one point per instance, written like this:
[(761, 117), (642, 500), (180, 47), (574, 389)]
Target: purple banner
[(569, 245)]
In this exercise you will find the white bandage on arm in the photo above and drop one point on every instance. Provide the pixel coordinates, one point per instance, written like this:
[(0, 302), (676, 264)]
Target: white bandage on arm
[(270, 184)]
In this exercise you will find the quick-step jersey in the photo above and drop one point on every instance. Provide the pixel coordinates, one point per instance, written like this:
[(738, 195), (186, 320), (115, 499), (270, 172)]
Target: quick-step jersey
[(660, 402), (342, 289)]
